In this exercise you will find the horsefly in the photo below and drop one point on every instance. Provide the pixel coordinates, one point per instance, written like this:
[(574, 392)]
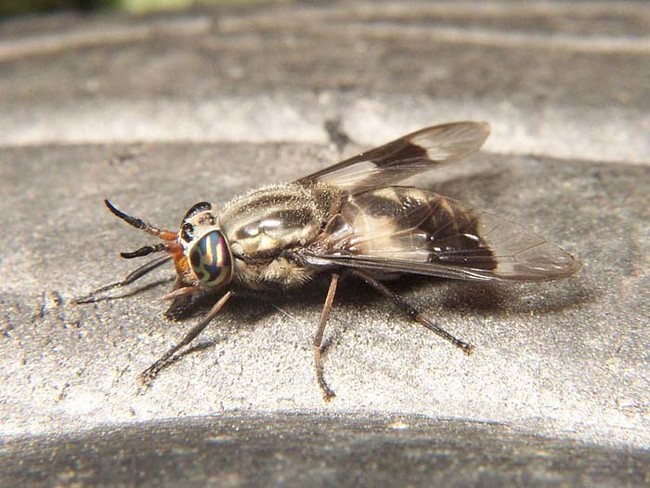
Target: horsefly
[(349, 219)]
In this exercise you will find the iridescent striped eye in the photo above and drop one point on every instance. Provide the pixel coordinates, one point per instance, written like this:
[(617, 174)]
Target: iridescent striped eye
[(211, 260)]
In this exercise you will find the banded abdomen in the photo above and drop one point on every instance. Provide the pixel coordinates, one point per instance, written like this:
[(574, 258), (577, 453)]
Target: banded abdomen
[(416, 231)]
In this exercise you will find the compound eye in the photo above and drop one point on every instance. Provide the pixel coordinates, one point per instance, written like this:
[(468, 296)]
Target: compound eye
[(211, 259)]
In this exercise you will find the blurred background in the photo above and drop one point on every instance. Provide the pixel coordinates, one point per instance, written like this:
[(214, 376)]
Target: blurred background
[(10, 8)]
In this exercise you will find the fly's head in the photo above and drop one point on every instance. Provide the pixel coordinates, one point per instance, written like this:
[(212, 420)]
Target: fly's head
[(201, 253), (206, 251)]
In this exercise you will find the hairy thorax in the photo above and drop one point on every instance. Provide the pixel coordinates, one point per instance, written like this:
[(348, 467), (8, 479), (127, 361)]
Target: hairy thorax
[(262, 226)]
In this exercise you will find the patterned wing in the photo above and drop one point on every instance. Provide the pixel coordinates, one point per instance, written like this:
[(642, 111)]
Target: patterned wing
[(405, 157), (409, 230)]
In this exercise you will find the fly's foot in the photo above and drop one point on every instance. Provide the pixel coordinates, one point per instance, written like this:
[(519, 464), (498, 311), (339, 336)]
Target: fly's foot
[(328, 393), (467, 348), (147, 377)]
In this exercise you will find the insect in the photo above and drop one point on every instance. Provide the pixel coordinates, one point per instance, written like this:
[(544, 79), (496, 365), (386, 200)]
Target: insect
[(349, 219)]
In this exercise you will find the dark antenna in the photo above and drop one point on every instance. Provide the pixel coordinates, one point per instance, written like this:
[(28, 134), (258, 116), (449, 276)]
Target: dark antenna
[(144, 251), (168, 235)]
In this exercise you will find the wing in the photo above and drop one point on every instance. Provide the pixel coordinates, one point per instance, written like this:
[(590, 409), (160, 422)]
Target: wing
[(404, 157), (409, 230)]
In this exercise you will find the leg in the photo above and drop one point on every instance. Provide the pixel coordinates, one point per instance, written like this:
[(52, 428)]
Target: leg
[(412, 312), (135, 275), (180, 292), (182, 301), (318, 338), (149, 374)]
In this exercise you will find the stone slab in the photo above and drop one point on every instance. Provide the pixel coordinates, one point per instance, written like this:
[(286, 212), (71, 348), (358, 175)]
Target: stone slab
[(568, 357), (159, 112)]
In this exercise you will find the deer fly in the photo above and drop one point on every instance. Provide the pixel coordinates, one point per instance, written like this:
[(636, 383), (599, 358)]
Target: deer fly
[(349, 219)]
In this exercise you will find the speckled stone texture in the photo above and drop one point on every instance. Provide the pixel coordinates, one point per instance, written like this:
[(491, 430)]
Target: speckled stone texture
[(160, 112)]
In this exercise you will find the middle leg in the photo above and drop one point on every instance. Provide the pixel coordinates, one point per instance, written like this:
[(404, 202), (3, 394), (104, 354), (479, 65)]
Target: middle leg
[(328, 393)]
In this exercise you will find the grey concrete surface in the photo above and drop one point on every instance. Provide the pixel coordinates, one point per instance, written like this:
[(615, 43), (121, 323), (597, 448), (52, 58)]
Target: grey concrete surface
[(300, 450), (535, 342), (159, 113)]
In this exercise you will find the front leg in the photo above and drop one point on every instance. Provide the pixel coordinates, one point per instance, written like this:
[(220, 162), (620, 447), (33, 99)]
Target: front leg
[(149, 374), (182, 297), (130, 278)]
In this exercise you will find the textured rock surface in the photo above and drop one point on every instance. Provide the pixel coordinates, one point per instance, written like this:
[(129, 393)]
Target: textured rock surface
[(159, 113)]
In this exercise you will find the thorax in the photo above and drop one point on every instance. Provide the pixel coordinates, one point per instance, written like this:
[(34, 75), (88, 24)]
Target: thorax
[(263, 223)]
